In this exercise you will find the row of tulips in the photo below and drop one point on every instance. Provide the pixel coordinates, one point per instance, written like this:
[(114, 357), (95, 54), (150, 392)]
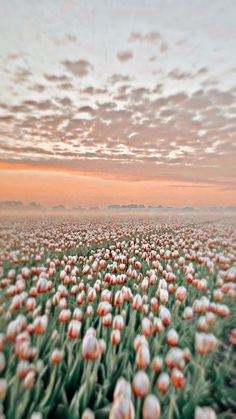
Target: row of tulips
[(131, 321)]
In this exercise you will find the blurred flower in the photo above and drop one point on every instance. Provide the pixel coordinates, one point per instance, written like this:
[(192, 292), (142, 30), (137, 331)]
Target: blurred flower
[(151, 407), (141, 384)]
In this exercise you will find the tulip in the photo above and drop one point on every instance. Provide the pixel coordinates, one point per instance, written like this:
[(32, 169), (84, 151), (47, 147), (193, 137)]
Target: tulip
[(115, 337), (122, 407), (141, 384), (74, 329), (188, 313), (64, 315), (151, 407), (118, 323), (143, 356), (165, 315), (90, 347), (205, 343), (102, 346), (41, 324), (163, 382), (56, 356), (181, 293), (172, 337), (29, 380), (122, 388), (137, 302), (157, 364), (164, 296), (107, 320), (177, 378), (175, 358), (204, 413), (119, 299), (104, 308), (158, 325), (154, 304), (88, 414), (78, 314), (139, 340), (147, 327)]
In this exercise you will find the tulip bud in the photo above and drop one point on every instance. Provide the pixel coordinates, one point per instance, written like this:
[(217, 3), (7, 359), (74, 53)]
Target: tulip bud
[(165, 315), (122, 407), (90, 347), (147, 327), (74, 329), (115, 337), (88, 414), (64, 315), (141, 384), (143, 356), (29, 380), (56, 356), (118, 323), (177, 378), (163, 295), (151, 407), (204, 413), (172, 337), (137, 302), (163, 382), (122, 388)]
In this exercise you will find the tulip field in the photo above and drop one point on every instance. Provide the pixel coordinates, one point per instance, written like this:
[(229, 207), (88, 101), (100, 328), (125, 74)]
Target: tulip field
[(118, 317)]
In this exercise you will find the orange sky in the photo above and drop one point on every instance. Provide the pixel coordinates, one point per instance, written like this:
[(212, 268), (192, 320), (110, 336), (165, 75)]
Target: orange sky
[(118, 102), (53, 187)]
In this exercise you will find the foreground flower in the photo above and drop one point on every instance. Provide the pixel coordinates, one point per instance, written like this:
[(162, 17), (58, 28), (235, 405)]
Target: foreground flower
[(74, 329), (205, 343), (204, 413), (122, 408), (157, 363), (172, 337), (90, 347), (147, 327), (56, 356), (88, 414), (177, 378), (151, 407), (143, 356), (115, 337), (141, 384), (122, 388), (163, 382)]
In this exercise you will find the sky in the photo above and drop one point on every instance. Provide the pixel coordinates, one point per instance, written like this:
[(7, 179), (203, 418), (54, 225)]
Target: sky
[(118, 102)]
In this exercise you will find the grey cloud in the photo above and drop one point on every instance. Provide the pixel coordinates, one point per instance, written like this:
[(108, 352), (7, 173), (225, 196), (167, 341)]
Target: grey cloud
[(79, 68), (150, 37), (124, 56)]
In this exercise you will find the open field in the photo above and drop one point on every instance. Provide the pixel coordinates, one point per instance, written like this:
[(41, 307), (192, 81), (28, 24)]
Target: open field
[(119, 317)]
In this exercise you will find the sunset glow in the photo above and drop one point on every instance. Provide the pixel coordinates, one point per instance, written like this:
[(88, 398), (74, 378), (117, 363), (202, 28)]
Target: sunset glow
[(128, 102)]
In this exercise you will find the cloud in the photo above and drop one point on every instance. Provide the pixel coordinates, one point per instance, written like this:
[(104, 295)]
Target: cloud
[(179, 75), (79, 68), (124, 56), (21, 75), (54, 78), (119, 78), (149, 37)]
